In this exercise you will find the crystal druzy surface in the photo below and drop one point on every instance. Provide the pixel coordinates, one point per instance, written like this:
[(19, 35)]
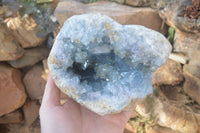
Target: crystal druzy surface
[(104, 65)]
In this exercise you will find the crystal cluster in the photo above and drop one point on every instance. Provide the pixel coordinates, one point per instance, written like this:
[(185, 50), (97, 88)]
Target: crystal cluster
[(104, 65)]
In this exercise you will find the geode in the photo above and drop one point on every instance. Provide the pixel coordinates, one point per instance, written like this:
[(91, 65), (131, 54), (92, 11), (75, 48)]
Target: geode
[(103, 65)]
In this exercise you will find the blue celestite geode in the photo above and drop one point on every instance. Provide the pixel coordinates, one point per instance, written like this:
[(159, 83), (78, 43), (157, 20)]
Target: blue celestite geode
[(104, 65)]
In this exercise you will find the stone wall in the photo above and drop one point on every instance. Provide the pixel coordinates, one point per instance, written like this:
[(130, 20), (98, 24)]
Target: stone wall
[(23, 67)]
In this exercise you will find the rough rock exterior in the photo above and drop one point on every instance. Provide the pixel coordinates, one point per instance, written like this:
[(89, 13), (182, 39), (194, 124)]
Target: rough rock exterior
[(21, 128), (186, 42), (104, 65), (24, 30), (194, 63), (34, 82), (137, 2), (129, 129), (13, 117), (9, 48), (168, 74), (12, 93), (120, 13), (30, 57), (159, 129), (169, 115), (31, 111), (191, 85)]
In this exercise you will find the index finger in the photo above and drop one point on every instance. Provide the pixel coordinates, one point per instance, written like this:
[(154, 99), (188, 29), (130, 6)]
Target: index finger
[(51, 95)]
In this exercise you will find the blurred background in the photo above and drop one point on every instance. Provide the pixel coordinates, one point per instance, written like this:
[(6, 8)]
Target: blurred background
[(27, 32)]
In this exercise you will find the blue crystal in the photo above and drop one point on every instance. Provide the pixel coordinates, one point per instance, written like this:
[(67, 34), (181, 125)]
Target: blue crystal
[(104, 65)]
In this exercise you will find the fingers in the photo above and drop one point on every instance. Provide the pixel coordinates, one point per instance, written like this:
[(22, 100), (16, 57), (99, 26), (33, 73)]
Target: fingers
[(120, 118), (71, 104), (127, 114), (51, 94)]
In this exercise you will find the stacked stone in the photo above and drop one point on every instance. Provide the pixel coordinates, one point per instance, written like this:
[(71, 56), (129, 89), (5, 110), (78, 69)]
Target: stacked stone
[(178, 82), (22, 75)]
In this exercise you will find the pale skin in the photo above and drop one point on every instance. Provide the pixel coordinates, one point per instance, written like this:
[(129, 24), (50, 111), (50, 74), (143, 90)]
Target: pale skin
[(71, 117)]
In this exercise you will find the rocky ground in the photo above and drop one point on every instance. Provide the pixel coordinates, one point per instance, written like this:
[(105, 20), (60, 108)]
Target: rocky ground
[(26, 38)]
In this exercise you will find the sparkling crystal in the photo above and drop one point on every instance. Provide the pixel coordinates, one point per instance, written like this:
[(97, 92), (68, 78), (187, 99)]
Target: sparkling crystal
[(104, 65)]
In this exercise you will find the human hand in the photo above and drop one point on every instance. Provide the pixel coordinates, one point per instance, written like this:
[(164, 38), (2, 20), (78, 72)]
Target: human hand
[(71, 117)]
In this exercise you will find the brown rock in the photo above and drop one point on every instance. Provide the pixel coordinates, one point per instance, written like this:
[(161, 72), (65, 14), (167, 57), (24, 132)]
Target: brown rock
[(30, 57), (129, 129), (45, 65), (194, 63), (13, 117), (5, 12), (56, 31), (3, 128), (54, 5), (168, 74), (159, 129), (34, 82), (24, 30), (12, 93), (21, 128), (46, 69), (169, 115), (121, 13), (186, 42), (9, 48), (137, 2), (173, 93), (31, 111), (192, 86)]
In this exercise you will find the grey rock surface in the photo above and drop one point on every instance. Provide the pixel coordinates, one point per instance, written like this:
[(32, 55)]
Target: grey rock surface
[(187, 35), (104, 65)]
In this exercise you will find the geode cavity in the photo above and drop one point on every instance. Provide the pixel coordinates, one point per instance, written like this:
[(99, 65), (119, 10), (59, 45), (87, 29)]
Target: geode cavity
[(104, 65)]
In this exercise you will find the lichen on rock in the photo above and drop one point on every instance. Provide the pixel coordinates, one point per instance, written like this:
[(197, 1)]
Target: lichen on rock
[(104, 65)]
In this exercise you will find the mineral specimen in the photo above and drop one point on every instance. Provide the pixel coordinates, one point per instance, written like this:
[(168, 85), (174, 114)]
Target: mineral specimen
[(104, 65)]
